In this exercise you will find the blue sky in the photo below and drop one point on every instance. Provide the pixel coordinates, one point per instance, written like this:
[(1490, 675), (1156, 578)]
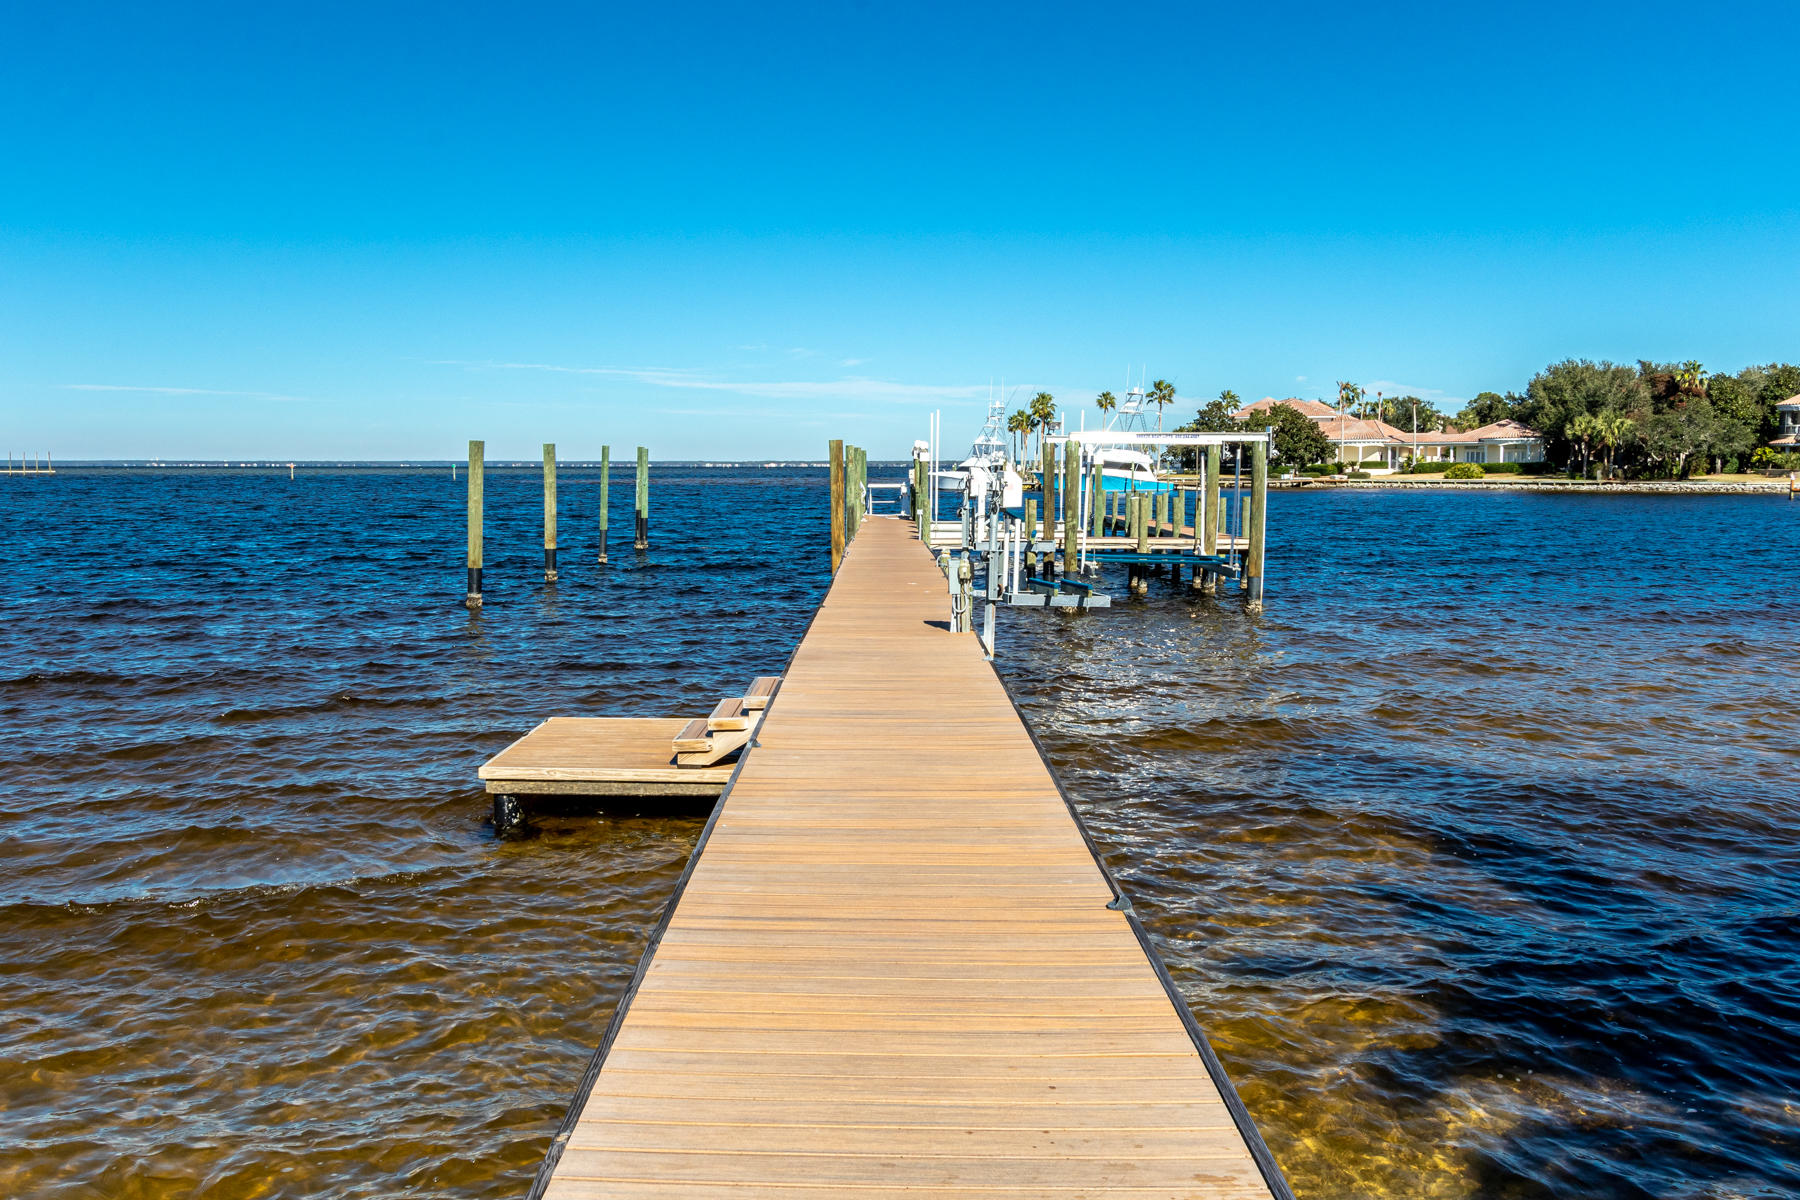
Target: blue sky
[(376, 231)]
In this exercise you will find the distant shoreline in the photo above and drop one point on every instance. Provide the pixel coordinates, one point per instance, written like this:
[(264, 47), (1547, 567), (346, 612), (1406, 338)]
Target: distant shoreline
[(1680, 487)]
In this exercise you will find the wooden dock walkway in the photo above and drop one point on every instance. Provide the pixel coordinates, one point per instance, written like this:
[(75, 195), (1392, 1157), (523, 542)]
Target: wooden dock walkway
[(894, 965)]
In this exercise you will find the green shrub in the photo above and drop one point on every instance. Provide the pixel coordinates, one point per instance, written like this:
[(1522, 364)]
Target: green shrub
[(1502, 468), (1316, 470), (1429, 468), (1731, 466), (1359, 475), (1465, 471)]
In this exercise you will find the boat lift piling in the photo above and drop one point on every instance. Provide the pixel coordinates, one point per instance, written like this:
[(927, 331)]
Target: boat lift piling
[(1193, 532)]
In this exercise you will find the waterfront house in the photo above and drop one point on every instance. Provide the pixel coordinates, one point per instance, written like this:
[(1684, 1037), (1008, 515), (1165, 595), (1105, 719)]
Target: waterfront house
[(1787, 417), (1504, 441), (1378, 446)]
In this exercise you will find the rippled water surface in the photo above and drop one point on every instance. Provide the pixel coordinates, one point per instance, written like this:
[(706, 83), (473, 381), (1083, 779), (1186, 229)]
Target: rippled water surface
[(1476, 853)]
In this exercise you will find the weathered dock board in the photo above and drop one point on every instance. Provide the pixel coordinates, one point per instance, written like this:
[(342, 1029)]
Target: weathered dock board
[(894, 966)]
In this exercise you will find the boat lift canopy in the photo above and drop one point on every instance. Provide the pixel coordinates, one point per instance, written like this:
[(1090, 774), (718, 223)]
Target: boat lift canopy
[(1113, 437)]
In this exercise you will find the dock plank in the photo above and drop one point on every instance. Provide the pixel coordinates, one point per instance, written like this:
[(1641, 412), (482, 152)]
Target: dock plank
[(891, 968)]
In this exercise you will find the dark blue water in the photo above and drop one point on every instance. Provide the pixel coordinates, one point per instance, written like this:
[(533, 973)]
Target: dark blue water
[(1475, 853)]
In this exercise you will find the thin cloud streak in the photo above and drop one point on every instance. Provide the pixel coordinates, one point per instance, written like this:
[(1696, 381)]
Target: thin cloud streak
[(176, 391), (850, 388)]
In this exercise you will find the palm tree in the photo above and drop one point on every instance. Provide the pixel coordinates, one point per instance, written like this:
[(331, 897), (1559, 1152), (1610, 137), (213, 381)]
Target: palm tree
[(1106, 402), (1043, 412), (1581, 430), (1348, 395), (1229, 397), (1692, 378), (1018, 423), (1611, 430), (1162, 394)]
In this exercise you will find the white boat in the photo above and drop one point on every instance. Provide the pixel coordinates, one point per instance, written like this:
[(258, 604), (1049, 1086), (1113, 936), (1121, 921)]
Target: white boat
[(986, 465), (1123, 470)]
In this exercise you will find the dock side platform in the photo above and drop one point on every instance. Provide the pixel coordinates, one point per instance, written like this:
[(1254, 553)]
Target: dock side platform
[(600, 756), (894, 965)]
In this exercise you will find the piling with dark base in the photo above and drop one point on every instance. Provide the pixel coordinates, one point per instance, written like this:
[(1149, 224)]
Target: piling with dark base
[(1049, 490), (549, 512), (477, 456), (836, 488), (605, 494), (1259, 518), (509, 814), (1140, 529), (643, 500)]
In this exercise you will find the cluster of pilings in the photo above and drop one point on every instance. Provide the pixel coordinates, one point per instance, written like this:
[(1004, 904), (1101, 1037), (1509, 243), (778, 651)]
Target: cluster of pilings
[(477, 471), (1146, 517), (849, 496)]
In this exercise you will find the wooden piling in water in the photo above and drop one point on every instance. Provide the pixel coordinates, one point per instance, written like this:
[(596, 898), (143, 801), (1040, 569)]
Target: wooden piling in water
[(549, 512), (1259, 518), (836, 488), (643, 500), (477, 455), (1207, 518), (1096, 491), (605, 494), (1048, 487), (1031, 536), (1071, 505)]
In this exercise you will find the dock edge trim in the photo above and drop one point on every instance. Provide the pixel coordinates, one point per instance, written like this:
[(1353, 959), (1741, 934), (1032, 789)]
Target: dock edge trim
[(1234, 1104)]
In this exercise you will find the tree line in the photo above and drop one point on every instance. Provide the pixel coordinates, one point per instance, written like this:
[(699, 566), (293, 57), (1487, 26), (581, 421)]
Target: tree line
[(1651, 420), (1654, 420)]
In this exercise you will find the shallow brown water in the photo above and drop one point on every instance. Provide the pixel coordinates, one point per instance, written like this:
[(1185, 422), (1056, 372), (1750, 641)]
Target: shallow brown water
[(1478, 862)]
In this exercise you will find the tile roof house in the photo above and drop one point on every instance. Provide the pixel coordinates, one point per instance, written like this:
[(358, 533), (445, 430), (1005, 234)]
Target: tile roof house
[(1318, 410), (1378, 446)]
